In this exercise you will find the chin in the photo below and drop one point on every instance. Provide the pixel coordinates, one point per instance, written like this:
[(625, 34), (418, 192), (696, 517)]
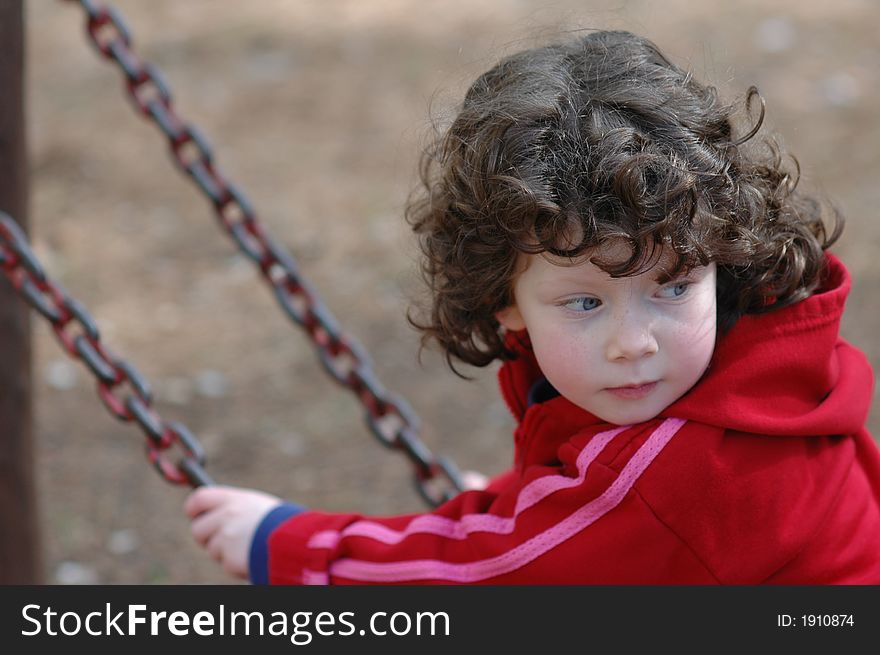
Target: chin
[(629, 417)]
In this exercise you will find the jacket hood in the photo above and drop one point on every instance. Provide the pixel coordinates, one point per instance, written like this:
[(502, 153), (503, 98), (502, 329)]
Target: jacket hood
[(786, 372)]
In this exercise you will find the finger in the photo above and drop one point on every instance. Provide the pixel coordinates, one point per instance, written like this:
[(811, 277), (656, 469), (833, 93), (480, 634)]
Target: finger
[(205, 526), (474, 480), (215, 547), (203, 499), (234, 570)]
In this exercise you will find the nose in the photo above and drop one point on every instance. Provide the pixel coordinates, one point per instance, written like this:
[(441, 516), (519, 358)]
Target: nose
[(631, 338)]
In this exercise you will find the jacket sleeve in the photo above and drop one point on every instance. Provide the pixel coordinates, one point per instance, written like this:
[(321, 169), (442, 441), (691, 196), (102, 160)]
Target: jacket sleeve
[(552, 524), (258, 557)]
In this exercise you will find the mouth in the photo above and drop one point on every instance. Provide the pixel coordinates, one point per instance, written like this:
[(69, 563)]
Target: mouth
[(633, 391)]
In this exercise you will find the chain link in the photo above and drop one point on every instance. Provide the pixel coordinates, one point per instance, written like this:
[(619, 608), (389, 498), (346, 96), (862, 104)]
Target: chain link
[(389, 418), (20, 265)]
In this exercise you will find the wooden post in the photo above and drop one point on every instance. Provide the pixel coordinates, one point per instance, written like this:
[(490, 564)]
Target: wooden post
[(20, 551)]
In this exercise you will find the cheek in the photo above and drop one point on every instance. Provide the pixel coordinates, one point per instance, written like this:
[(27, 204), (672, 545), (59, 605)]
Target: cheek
[(564, 356), (694, 337)]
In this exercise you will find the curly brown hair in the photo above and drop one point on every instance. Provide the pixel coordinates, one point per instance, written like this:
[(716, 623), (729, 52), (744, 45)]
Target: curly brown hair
[(561, 148)]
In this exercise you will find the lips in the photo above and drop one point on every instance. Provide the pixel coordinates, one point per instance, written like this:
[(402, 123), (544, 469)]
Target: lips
[(633, 391)]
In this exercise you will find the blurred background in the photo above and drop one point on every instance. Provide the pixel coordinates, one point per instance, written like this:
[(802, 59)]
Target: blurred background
[(319, 110)]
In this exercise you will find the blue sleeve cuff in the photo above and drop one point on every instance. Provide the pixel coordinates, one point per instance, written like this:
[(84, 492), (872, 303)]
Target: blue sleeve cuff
[(258, 562)]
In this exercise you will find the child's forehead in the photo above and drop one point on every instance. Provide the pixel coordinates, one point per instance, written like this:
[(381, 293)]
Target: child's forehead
[(660, 263)]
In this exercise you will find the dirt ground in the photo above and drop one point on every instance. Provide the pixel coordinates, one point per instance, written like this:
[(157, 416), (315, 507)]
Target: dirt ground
[(318, 110)]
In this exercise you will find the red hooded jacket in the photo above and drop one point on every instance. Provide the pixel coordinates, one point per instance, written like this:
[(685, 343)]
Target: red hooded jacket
[(762, 473)]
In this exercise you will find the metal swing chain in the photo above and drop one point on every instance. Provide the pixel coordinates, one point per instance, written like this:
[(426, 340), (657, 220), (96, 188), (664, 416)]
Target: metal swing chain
[(388, 416), (79, 336)]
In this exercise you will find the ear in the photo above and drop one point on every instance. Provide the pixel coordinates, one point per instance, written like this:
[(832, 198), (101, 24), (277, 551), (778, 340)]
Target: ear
[(511, 318)]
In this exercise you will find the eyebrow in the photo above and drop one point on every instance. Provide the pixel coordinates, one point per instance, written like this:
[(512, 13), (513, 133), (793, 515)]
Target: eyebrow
[(662, 277), (665, 276), (685, 273)]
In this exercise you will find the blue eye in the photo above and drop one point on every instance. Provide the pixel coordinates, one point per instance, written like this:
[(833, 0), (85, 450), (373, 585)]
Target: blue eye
[(584, 304), (675, 290)]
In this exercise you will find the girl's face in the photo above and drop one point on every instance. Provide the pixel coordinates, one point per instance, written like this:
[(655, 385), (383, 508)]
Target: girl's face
[(623, 349)]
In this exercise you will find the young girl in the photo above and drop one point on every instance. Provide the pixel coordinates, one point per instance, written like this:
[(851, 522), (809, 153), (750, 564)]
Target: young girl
[(667, 318)]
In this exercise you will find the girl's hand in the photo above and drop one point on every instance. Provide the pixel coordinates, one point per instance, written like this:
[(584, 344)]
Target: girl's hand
[(474, 480), (224, 520)]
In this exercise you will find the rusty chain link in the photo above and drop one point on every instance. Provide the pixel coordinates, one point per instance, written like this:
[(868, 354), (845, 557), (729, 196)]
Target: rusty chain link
[(78, 334), (389, 417)]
